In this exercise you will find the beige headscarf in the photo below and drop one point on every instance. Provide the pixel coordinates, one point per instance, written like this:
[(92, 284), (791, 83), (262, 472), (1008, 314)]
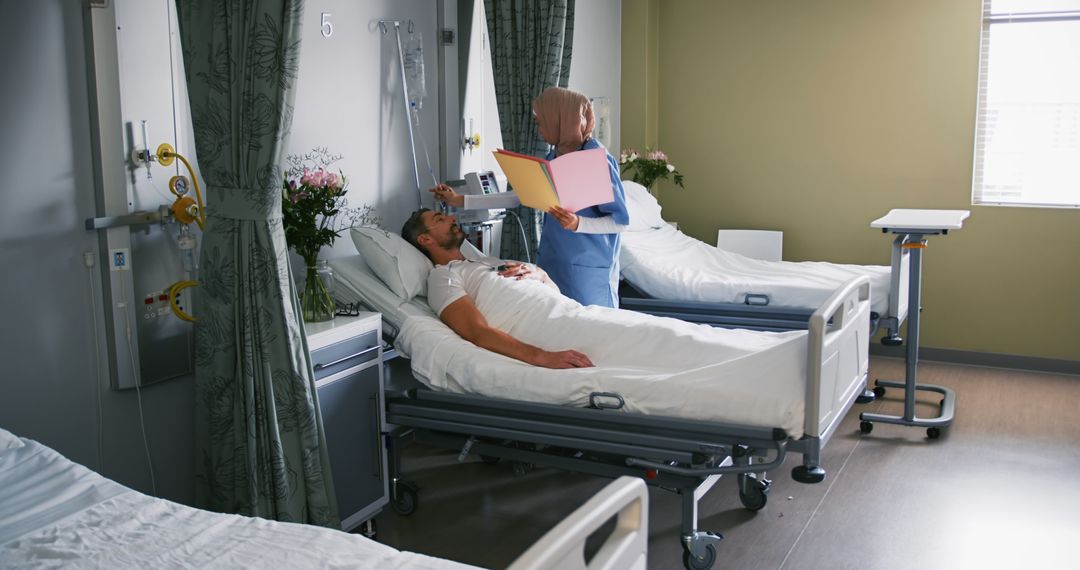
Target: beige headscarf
[(565, 118)]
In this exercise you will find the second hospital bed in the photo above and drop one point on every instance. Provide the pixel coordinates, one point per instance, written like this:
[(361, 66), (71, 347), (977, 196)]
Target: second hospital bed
[(56, 513), (667, 273), (678, 431)]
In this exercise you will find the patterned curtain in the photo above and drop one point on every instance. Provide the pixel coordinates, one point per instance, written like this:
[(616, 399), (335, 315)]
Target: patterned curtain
[(258, 431), (531, 45)]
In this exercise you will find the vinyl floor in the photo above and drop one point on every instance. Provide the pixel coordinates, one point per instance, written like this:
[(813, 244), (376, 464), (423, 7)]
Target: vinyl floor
[(999, 489)]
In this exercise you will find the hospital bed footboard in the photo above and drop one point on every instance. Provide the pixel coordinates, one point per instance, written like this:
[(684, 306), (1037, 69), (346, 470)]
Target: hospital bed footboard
[(686, 456)]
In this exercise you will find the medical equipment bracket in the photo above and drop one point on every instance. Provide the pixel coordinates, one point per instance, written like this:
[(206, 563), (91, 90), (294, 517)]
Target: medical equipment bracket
[(911, 226), (162, 215), (383, 25)]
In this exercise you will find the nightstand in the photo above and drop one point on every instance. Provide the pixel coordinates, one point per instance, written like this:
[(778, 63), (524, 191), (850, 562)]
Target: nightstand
[(346, 357)]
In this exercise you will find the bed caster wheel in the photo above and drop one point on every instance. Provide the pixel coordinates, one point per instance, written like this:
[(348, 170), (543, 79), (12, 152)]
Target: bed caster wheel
[(704, 562), (753, 493), (866, 397), (804, 474), (866, 427), (879, 391), (405, 499), (933, 432), (521, 468), (489, 460), (892, 341)]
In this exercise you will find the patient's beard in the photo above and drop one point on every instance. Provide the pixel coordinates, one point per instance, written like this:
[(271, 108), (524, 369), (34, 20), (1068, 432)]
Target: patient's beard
[(454, 239)]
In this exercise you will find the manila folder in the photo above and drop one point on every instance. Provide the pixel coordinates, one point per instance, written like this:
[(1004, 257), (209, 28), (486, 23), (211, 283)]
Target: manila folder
[(529, 179)]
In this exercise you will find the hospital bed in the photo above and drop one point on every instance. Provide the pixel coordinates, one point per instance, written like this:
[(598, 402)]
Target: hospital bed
[(667, 273), (57, 513), (743, 421)]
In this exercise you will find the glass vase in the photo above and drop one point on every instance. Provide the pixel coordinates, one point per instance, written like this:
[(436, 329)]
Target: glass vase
[(317, 302)]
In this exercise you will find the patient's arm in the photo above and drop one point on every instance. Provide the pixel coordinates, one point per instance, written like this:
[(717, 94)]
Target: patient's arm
[(463, 317)]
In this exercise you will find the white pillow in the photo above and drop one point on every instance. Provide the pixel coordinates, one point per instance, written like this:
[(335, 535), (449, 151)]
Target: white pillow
[(9, 440), (643, 208), (395, 261)]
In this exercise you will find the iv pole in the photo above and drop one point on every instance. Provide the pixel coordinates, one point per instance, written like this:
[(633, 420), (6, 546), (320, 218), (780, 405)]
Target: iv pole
[(405, 100)]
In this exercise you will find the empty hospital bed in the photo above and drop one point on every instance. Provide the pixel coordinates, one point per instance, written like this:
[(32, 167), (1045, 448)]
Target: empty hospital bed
[(741, 417), (668, 273), (57, 513)]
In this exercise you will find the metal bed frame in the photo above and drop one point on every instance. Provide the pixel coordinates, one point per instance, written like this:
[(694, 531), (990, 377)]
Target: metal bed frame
[(685, 456)]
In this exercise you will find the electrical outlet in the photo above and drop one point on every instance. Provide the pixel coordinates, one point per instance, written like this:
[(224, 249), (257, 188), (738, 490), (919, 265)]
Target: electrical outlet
[(120, 259)]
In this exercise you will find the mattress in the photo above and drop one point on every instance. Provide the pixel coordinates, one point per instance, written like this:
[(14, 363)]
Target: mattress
[(659, 366), (667, 264), (57, 513)]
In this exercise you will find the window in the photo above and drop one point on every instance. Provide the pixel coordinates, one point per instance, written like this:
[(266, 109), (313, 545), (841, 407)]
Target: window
[(1027, 132)]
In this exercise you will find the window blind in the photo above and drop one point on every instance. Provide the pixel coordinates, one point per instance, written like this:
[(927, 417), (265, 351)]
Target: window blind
[(1027, 139)]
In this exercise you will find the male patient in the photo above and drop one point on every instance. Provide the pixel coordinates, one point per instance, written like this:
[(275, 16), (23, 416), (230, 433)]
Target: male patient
[(455, 276)]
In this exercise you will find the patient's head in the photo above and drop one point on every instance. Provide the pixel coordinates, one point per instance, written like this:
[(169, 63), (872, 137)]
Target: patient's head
[(432, 232)]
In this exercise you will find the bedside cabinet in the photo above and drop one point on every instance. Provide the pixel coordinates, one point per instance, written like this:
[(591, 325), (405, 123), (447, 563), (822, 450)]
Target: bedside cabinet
[(346, 357)]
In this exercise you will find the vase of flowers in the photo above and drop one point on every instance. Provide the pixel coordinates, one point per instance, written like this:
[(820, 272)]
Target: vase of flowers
[(310, 201), (648, 168)]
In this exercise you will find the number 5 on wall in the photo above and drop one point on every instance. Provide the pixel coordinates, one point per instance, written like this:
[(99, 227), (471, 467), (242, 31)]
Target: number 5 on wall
[(327, 27)]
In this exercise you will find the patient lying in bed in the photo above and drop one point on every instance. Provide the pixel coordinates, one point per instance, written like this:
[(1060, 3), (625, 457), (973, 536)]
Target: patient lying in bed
[(513, 309)]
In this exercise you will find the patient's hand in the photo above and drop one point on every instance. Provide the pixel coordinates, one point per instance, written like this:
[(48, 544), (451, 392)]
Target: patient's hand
[(563, 359), (516, 270)]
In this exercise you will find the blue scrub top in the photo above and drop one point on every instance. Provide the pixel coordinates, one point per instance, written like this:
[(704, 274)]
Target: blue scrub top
[(586, 266)]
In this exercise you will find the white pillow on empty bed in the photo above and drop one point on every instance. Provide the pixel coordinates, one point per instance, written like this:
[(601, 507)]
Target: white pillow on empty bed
[(643, 208), (9, 440), (399, 265)]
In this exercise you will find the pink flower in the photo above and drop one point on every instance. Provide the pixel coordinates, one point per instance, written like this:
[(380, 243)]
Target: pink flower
[(307, 178), (657, 155)]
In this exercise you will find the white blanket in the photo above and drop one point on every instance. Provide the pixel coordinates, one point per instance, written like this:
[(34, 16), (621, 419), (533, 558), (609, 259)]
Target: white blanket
[(667, 264), (55, 513), (660, 366)]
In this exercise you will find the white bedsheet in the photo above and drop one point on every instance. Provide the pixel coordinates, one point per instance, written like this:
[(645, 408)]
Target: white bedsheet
[(667, 264), (56, 513), (660, 366)]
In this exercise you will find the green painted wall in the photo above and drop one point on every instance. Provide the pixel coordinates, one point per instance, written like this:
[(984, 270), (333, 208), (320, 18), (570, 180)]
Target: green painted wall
[(817, 117)]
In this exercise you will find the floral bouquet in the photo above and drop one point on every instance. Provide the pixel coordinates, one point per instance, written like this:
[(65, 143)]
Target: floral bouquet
[(646, 170), (312, 206)]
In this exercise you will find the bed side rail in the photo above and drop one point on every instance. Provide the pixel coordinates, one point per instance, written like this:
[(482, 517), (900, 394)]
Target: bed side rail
[(847, 307), (627, 547)]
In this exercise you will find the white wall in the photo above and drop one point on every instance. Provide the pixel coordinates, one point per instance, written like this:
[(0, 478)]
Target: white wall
[(349, 100), (596, 64)]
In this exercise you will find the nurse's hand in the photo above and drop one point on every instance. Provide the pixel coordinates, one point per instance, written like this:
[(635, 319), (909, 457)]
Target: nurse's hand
[(445, 194), (566, 218), (563, 359)]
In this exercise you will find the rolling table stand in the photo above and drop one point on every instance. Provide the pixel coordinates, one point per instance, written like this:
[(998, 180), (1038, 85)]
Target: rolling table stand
[(913, 225)]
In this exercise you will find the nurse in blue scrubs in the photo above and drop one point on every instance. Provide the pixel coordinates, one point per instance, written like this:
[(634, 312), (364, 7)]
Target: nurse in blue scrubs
[(580, 250)]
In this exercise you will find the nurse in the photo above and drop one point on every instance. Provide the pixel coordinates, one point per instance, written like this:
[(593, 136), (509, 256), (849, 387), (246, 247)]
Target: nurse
[(579, 250)]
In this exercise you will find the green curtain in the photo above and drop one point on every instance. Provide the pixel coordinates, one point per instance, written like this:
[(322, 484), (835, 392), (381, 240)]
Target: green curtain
[(531, 45), (261, 450)]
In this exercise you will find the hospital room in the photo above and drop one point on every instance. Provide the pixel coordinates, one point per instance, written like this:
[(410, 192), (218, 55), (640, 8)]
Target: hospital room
[(540, 284)]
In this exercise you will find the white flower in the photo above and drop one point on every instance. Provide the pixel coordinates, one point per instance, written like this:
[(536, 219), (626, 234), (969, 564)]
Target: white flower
[(633, 157), (671, 168)]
